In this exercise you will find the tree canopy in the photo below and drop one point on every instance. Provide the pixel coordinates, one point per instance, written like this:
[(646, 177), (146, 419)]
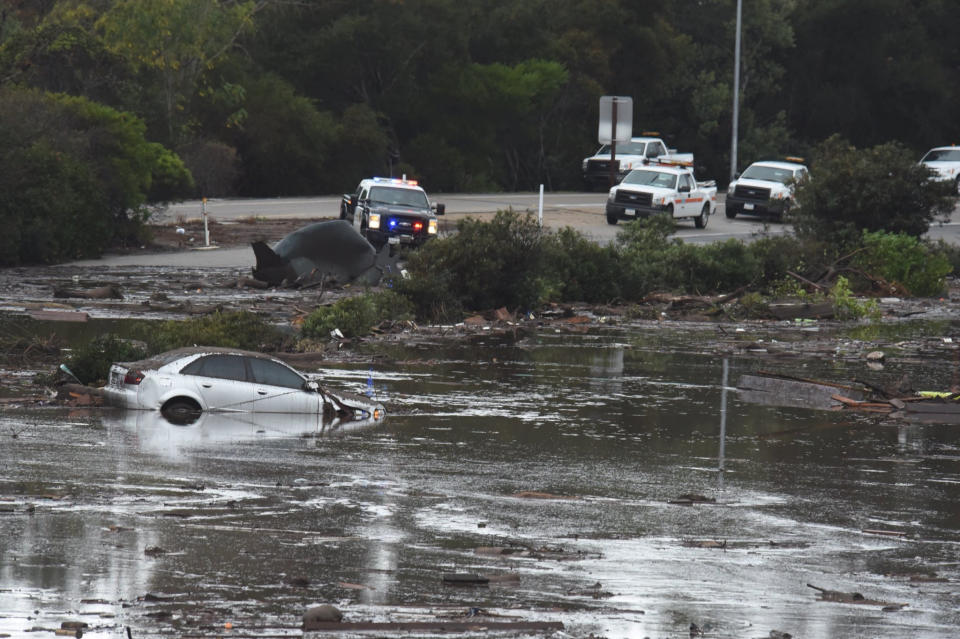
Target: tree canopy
[(272, 97)]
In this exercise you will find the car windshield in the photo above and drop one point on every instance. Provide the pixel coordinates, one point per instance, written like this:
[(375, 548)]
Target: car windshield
[(399, 197), (768, 174), (624, 148), (647, 177), (942, 155)]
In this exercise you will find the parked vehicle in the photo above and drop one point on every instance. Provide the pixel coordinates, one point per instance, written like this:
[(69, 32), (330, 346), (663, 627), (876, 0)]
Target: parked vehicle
[(765, 188), (188, 381), (666, 187), (630, 155), (391, 211), (945, 162)]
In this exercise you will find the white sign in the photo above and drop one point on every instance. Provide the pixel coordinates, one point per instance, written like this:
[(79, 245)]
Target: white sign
[(623, 108)]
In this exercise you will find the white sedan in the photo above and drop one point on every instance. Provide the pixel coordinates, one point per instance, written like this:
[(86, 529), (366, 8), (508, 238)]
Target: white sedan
[(185, 382)]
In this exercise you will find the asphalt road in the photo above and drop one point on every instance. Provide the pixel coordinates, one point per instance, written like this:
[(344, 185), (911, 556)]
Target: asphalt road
[(582, 211)]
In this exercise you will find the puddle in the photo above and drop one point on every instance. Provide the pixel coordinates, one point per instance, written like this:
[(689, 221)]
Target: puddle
[(547, 464)]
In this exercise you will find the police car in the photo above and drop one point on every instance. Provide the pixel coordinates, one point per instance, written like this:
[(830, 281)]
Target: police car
[(765, 188), (392, 211), (945, 163)]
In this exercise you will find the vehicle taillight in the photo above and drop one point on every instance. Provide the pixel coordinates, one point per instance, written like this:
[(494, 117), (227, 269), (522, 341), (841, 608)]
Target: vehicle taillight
[(133, 377)]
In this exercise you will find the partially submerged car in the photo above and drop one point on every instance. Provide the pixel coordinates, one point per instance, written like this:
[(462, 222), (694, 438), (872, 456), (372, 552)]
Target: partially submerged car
[(185, 382)]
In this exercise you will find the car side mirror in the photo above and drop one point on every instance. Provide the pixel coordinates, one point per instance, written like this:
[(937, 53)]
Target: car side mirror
[(441, 209), (312, 386)]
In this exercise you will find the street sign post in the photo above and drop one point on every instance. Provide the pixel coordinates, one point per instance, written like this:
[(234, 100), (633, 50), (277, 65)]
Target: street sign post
[(616, 125)]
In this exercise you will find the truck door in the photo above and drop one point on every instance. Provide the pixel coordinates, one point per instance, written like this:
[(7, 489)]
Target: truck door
[(687, 205)]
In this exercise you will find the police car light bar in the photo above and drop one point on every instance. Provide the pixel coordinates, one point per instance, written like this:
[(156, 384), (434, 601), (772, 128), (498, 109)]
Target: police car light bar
[(395, 181), (792, 158)]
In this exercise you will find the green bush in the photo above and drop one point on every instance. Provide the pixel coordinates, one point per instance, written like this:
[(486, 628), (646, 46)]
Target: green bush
[(91, 362), (241, 329), (578, 269), (356, 316), (846, 306), (485, 265), (75, 176), (905, 260), (851, 190)]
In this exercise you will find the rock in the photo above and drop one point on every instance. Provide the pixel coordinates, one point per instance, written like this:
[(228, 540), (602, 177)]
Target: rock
[(324, 613), (875, 356)]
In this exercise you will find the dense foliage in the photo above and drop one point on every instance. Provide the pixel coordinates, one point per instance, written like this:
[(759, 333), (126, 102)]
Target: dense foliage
[(852, 190), (75, 176), (270, 97)]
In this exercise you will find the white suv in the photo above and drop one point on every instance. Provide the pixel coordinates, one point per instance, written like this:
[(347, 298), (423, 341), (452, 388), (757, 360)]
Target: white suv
[(945, 162)]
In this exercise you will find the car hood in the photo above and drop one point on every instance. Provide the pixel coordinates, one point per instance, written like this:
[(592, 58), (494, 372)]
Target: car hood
[(775, 187), (390, 209)]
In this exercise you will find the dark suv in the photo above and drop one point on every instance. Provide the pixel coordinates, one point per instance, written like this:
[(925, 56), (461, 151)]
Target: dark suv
[(391, 211)]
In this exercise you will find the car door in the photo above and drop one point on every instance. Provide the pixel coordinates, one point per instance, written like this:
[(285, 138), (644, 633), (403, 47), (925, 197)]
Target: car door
[(686, 199), (280, 389), (222, 381), (359, 207)]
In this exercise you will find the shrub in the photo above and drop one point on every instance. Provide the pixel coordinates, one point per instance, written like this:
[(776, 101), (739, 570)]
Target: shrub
[(904, 260), (846, 306), (91, 362), (356, 316), (241, 329), (485, 265), (852, 190), (578, 269)]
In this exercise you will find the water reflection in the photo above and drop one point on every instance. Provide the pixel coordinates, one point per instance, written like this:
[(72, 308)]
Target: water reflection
[(154, 433)]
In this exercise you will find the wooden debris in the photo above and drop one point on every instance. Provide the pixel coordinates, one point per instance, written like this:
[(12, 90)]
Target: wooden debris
[(888, 533), (854, 598), (60, 316), (434, 626), (465, 579), (533, 494), (689, 499), (100, 293)]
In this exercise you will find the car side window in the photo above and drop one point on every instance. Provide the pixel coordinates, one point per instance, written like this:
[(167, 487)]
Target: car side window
[(274, 374), (231, 367), (655, 149), (686, 181)]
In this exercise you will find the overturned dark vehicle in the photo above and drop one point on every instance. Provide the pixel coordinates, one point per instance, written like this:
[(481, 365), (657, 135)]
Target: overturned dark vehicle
[(322, 252)]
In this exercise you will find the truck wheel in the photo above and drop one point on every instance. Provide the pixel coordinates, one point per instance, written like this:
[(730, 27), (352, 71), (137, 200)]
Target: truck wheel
[(612, 218), (701, 220), (731, 213)]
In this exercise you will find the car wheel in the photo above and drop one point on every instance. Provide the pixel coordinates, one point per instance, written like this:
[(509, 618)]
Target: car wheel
[(701, 221), (343, 212), (669, 211), (612, 218), (181, 411), (731, 213)]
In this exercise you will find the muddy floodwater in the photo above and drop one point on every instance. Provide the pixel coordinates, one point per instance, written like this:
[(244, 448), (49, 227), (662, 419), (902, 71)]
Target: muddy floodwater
[(613, 481)]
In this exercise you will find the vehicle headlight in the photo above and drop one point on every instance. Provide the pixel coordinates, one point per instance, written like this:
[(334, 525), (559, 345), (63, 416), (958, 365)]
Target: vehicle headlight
[(374, 222), (659, 201), (585, 165), (733, 185), (432, 227)]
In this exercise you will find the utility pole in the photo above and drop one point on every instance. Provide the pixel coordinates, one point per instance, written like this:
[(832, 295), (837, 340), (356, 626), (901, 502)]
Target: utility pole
[(736, 95)]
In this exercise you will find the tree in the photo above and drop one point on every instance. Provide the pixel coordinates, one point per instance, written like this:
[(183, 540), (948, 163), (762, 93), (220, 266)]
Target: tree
[(75, 176), (176, 42), (852, 190)]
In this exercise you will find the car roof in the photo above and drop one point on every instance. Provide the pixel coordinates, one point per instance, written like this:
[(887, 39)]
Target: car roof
[(162, 359), (396, 183), (779, 164)]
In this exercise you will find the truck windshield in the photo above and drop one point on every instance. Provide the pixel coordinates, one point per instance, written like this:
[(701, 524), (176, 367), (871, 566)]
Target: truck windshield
[(399, 197), (942, 155), (647, 177), (768, 174), (625, 148)]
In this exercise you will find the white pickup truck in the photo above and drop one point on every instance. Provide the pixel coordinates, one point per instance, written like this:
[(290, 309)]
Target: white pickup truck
[(630, 155), (665, 187), (945, 163)]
